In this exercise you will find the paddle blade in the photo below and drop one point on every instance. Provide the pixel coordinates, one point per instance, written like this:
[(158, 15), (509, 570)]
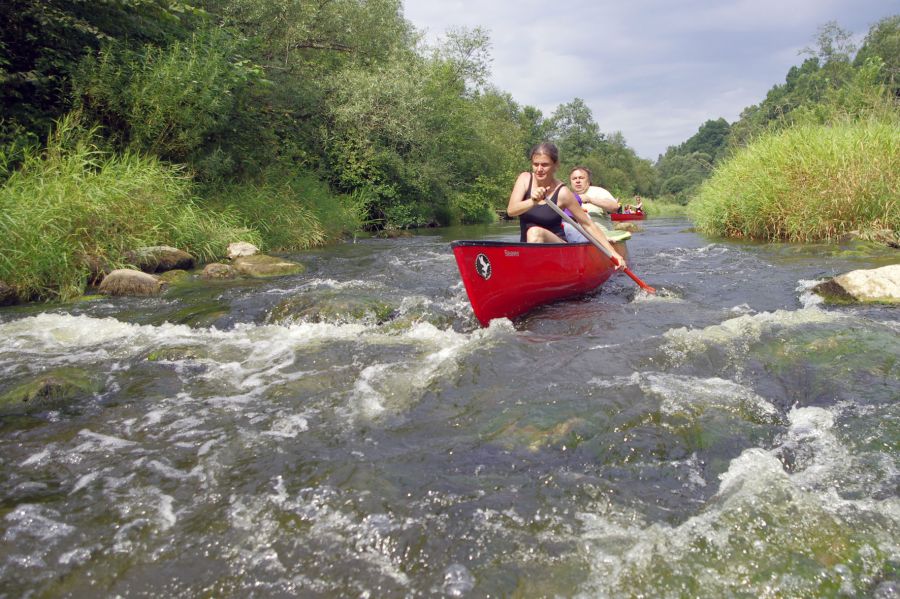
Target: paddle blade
[(640, 283)]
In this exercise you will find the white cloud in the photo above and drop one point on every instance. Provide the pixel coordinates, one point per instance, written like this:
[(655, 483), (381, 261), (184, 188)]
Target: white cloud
[(653, 69)]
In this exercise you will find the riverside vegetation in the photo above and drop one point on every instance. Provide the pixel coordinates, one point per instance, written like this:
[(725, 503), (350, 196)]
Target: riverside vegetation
[(291, 124)]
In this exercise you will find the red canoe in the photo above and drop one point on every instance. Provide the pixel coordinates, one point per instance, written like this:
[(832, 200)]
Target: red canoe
[(506, 279), (616, 216)]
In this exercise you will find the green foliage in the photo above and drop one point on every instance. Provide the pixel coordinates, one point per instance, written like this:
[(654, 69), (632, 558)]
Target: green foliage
[(42, 42), (483, 201), (180, 103), (807, 183), (661, 208), (575, 132), (289, 210), (74, 206), (883, 42)]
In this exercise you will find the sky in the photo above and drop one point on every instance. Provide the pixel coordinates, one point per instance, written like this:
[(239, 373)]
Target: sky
[(655, 70)]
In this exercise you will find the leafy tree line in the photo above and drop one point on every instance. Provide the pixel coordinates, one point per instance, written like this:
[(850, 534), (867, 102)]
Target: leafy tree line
[(835, 78), (254, 94)]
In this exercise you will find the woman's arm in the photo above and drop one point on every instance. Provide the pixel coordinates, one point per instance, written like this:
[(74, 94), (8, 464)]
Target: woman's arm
[(567, 200), (517, 203)]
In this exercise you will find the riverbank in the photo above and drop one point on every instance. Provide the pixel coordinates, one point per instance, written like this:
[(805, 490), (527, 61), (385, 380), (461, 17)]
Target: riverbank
[(74, 211), (809, 183)]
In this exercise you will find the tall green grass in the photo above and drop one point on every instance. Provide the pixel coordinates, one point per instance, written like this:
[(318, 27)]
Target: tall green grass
[(290, 211), (811, 182), (662, 209), (73, 206)]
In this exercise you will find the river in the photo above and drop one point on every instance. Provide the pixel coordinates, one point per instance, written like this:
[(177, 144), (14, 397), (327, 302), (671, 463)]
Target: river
[(351, 431)]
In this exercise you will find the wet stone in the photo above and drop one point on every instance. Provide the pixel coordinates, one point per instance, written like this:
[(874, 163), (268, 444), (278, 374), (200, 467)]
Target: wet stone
[(50, 391), (332, 309), (261, 265)]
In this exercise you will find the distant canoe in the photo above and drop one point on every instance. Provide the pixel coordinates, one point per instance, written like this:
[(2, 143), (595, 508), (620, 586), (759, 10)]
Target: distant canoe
[(508, 279), (617, 216)]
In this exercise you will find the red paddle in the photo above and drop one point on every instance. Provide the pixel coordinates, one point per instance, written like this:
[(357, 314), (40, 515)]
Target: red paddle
[(599, 246)]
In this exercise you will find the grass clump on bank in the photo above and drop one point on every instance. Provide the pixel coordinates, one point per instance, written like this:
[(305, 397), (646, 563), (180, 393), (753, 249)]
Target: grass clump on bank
[(73, 207), (289, 211), (811, 182), (663, 209)]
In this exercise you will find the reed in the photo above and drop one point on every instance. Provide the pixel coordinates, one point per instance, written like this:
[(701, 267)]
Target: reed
[(74, 206), (289, 211), (662, 209), (811, 182)]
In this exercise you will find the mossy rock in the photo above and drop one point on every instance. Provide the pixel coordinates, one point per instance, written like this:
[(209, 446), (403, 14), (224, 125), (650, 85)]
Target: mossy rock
[(53, 390), (127, 281), (877, 286), (160, 258), (174, 277), (262, 265), (333, 309), (216, 271)]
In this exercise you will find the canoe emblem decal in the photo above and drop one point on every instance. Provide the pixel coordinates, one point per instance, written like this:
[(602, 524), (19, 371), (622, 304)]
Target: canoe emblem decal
[(483, 266)]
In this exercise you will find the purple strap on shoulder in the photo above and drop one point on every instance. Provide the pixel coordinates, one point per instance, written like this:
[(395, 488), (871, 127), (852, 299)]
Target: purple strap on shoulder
[(569, 212)]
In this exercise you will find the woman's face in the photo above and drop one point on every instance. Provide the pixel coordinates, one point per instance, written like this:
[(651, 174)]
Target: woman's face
[(542, 166), (579, 180)]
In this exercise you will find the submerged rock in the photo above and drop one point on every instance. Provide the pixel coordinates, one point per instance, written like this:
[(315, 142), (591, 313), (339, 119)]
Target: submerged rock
[(879, 285), (50, 391), (160, 258), (332, 309), (173, 277), (125, 281), (261, 265)]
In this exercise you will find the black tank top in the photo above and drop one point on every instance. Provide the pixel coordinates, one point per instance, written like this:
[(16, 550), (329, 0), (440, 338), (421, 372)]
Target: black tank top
[(541, 216)]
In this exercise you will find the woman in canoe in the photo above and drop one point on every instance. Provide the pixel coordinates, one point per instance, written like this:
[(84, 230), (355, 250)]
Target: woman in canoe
[(597, 202), (538, 223)]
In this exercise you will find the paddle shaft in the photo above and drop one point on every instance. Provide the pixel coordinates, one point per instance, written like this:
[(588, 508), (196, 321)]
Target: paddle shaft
[(599, 245)]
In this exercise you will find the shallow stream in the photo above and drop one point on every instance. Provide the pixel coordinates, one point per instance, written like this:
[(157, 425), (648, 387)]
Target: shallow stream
[(352, 432)]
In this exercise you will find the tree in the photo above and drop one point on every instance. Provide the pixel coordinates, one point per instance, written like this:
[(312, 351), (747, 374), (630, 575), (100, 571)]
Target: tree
[(42, 42), (469, 53), (574, 130), (883, 41)]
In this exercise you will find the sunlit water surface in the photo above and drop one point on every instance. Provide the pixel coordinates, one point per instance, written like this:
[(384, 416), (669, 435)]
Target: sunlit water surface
[(351, 431)]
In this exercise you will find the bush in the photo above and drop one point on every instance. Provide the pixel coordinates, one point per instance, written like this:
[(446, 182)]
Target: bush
[(807, 183), (182, 103), (290, 211), (74, 206)]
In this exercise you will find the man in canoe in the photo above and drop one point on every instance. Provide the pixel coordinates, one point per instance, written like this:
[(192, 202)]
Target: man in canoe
[(597, 202), (538, 223)]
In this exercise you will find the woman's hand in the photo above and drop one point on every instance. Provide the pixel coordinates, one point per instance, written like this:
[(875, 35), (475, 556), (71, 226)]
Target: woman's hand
[(619, 260), (539, 194)]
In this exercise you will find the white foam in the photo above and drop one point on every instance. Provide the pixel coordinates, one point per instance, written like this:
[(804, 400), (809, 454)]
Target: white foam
[(99, 442), (689, 395), (736, 335), (288, 427), (36, 522), (807, 298)]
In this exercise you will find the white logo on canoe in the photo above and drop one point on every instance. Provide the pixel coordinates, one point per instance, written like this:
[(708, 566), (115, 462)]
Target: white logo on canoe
[(483, 266)]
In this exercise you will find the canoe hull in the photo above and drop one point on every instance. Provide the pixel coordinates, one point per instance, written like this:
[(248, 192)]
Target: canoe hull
[(506, 280), (622, 217)]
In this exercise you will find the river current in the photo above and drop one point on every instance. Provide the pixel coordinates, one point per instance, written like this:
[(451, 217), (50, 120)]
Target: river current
[(352, 432)]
